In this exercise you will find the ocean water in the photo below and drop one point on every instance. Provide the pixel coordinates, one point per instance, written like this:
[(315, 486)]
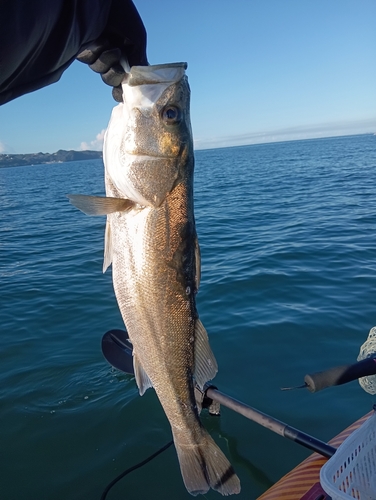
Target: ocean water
[(287, 234)]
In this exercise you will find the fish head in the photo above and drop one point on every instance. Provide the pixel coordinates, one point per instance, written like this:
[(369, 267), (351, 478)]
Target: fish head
[(148, 146)]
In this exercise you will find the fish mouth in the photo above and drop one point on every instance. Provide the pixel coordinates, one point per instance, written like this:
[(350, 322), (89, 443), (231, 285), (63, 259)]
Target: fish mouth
[(151, 156), (171, 152)]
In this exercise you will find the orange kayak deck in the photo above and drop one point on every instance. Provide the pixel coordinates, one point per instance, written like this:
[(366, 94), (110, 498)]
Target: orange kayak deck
[(303, 482)]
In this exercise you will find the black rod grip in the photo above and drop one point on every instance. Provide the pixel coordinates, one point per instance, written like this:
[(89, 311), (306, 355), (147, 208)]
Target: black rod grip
[(340, 375), (310, 442)]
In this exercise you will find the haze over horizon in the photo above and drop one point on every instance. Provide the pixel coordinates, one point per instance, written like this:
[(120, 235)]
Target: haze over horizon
[(259, 72), (258, 139)]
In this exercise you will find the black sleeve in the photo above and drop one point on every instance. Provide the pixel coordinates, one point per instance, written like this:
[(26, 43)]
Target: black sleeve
[(39, 39)]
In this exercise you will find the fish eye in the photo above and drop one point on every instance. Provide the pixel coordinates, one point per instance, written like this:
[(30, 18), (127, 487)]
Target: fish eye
[(171, 115)]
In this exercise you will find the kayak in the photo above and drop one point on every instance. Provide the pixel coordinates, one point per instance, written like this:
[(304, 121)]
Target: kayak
[(303, 482)]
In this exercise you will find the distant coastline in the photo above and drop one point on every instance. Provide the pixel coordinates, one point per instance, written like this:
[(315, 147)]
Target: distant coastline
[(61, 156)]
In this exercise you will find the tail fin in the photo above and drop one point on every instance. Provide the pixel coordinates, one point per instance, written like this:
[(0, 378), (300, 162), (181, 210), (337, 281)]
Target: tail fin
[(204, 466)]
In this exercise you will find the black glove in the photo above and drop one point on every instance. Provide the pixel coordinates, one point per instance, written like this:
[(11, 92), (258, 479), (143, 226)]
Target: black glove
[(123, 38), (39, 40)]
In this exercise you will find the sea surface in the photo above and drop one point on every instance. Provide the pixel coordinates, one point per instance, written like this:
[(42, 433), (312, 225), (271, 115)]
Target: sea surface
[(288, 242)]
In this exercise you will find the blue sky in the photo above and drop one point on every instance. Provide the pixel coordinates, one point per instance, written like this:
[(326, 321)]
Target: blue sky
[(259, 70)]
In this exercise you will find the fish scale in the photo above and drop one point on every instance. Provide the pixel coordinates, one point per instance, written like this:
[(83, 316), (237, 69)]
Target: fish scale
[(152, 244)]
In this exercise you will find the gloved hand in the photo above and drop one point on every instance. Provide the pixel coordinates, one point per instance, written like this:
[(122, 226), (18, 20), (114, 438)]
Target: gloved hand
[(123, 40), (40, 39)]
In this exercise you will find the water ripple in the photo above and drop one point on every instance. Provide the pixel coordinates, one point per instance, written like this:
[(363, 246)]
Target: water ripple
[(288, 277)]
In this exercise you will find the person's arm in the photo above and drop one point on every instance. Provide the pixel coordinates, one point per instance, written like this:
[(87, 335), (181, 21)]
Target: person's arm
[(39, 39)]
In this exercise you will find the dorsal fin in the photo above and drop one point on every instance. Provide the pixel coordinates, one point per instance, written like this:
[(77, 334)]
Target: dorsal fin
[(205, 367), (198, 263)]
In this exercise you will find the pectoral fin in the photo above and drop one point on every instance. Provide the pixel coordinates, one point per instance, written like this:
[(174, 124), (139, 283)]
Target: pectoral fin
[(99, 205), (205, 364), (142, 379)]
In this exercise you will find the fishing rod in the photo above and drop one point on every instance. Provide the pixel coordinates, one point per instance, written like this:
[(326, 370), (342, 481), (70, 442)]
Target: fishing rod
[(117, 350)]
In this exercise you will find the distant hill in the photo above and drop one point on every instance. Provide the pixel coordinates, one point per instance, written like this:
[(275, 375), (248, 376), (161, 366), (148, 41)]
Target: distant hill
[(60, 156)]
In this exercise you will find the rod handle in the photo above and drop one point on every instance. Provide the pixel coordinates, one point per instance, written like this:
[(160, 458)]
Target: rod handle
[(340, 375)]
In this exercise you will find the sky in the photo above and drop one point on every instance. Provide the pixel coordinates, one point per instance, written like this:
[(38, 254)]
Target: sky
[(259, 71)]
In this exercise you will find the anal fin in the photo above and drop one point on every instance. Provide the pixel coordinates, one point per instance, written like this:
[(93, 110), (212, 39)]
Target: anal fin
[(142, 378), (107, 260)]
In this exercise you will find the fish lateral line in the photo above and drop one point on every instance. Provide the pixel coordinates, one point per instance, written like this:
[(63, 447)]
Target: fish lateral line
[(100, 205)]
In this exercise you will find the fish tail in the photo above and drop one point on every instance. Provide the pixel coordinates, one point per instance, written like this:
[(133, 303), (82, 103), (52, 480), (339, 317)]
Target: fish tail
[(204, 466)]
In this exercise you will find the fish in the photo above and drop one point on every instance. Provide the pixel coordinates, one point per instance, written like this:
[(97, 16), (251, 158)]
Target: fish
[(151, 242)]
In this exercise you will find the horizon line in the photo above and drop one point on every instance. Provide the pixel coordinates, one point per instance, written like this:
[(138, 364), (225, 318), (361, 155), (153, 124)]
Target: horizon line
[(319, 131), (291, 134), (338, 136)]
